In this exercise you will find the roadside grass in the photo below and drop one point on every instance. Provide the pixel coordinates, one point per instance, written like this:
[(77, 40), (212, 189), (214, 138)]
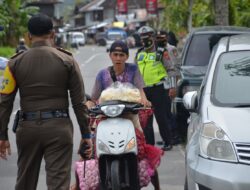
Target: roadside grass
[(7, 51)]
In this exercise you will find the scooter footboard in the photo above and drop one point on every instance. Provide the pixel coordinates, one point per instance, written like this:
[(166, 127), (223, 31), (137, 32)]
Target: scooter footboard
[(119, 172)]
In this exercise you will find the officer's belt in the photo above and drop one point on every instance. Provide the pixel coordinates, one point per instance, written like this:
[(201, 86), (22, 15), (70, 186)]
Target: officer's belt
[(157, 84), (41, 115)]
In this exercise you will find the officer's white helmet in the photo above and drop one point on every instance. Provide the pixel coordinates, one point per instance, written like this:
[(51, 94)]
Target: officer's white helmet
[(146, 31)]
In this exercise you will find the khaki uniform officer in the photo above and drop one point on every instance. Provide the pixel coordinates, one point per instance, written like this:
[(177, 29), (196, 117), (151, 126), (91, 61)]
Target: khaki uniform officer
[(43, 75)]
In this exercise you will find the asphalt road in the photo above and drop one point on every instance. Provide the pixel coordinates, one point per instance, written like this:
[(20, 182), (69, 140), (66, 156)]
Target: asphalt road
[(91, 59)]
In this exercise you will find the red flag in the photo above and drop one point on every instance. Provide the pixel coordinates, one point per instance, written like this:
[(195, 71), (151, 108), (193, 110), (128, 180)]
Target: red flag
[(122, 6), (151, 6)]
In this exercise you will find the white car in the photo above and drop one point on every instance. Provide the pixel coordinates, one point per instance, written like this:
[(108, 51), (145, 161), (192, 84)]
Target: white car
[(77, 39), (218, 147)]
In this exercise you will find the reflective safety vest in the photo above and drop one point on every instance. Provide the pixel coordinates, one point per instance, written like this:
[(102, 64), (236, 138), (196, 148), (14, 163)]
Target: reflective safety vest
[(151, 70)]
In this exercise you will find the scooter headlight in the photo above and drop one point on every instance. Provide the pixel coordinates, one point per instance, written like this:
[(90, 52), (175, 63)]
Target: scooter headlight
[(130, 145), (215, 144), (113, 110), (102, 146)]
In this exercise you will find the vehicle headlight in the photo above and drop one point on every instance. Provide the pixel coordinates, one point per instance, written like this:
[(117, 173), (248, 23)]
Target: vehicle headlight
[(130, 145), (215, 144), (113, 110), (102, 146), (186, 89)]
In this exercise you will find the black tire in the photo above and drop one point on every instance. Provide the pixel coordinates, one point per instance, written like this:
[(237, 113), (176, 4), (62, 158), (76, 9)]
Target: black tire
[(186, 184), (115, 175)]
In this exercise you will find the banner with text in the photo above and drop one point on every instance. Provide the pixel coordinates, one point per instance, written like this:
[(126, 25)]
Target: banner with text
[(122, 6), (151, 6)]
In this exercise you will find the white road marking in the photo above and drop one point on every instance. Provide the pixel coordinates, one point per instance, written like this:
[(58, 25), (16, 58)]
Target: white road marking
[(93, 57)]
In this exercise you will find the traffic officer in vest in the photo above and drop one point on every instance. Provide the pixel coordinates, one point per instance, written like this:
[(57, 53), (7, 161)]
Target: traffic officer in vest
[(43, 75), (158, 75)]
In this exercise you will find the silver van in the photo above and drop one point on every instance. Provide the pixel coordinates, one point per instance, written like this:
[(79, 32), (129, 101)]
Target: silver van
[(218, 146)]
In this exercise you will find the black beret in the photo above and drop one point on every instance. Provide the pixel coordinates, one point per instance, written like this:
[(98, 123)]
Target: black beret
[(40, 24), (119, 46)]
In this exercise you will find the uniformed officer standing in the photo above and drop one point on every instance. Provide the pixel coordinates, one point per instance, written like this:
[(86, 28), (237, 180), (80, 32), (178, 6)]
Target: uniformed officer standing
[(171, 52), (43, 75), (157, 71)]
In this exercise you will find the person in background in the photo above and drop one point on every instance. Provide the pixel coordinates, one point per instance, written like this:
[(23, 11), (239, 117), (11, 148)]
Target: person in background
[(43, 75), (21, 46), (172, 53), (172, 40)]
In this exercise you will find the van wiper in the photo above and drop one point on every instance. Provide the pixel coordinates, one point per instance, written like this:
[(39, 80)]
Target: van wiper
[(242, 106)]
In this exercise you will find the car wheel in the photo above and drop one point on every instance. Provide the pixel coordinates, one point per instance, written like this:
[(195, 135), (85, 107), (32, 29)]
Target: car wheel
[(186, 184)]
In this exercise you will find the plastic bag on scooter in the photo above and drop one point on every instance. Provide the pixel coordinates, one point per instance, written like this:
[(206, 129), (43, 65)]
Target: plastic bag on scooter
[(88, 177), (121, 91), (91, 179)]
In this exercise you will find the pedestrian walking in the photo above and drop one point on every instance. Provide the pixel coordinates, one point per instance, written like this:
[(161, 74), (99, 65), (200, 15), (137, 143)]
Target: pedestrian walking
[(43, 75)]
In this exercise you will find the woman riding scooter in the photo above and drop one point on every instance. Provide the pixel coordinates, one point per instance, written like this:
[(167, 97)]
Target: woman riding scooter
[(124, 73)]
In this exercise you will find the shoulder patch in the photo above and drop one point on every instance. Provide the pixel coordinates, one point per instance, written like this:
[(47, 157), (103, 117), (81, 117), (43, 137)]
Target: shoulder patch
[(64, 51), (175, 53), (19, 53), (165, 55), (8, 83)]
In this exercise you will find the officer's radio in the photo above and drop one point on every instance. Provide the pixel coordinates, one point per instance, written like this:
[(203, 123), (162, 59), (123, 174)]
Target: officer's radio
[(159, 53)]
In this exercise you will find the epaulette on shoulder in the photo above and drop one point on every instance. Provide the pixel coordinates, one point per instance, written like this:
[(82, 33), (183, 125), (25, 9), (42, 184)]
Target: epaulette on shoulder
[(64, 51), (19, 53)]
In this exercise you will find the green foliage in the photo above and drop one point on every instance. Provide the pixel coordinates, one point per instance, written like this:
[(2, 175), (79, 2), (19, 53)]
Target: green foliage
[(176, 14), (14, 18), (202, 14), (240, 12), (6, 52)]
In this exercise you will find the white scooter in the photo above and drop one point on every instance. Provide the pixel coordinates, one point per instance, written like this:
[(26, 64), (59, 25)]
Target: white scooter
[(116, 146)]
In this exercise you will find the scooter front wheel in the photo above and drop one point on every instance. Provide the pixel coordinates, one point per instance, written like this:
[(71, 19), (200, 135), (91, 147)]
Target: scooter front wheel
[(115, 175)]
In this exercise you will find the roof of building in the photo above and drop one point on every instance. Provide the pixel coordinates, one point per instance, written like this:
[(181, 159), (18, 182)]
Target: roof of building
[(93, 5)]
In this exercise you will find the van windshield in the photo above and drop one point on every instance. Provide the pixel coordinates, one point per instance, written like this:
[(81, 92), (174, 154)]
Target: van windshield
[(200, 48), (78, 36)]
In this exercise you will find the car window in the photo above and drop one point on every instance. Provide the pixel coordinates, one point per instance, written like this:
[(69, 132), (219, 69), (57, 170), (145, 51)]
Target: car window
[(78, 36), (200, 47), (116, 36), (231, 82)]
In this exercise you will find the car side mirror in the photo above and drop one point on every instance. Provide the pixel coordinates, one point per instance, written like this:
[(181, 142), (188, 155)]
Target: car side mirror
[(190, 101)]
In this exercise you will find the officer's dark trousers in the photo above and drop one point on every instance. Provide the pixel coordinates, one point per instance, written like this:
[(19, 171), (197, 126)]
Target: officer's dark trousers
[(162, 110), (52, 140)]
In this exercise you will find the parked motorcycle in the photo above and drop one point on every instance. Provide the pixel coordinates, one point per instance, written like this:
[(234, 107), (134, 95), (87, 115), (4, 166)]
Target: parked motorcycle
[(116, 146)]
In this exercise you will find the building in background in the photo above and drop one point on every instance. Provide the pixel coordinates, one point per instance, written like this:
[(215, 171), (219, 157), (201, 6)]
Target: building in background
[(52, 8)]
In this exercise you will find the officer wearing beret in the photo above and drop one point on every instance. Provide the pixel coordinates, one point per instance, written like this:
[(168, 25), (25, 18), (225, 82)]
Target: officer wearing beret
[(43, 75)]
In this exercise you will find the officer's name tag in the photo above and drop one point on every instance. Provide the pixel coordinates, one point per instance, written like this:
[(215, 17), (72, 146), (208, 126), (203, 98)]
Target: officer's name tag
[(8, 82)]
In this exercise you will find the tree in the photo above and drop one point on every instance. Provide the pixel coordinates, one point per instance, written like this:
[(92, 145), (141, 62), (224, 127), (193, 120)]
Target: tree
[(14, 17), (221, 9)]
